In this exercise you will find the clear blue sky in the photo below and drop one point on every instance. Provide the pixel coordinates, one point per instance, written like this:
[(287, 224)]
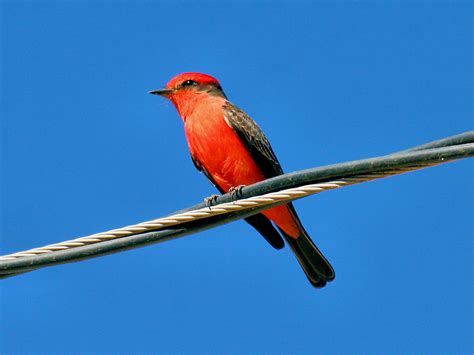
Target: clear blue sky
[(85, 149)]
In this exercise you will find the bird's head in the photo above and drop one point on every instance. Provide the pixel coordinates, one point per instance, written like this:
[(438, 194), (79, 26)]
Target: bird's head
[(189, 87)]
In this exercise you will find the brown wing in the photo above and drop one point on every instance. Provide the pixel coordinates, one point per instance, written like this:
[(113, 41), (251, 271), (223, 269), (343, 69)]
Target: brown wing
[(317, 268), (254, 140)]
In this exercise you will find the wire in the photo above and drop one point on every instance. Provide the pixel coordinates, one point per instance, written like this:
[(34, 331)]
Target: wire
[(255, 198)]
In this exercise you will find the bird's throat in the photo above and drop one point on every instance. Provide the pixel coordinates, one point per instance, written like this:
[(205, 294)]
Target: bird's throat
[(187, 103)]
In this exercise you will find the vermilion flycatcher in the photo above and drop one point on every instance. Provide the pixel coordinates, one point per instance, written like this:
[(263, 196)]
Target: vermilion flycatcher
[(231, 150)]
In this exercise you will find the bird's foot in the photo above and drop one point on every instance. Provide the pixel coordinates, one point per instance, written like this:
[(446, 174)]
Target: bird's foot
[(211, 200), (236, 192)]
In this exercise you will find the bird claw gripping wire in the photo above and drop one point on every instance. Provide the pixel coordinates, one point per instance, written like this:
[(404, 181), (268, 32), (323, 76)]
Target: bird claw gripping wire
[(236, 192), (211, 200)]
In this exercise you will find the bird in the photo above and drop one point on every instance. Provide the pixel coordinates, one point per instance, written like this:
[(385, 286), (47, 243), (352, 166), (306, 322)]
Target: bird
[(232, 151)]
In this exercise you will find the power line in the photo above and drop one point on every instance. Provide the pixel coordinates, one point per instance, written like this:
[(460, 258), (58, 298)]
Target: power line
[(255, 198)]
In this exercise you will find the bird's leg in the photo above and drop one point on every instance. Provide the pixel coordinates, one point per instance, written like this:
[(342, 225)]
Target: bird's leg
[(211, 200), (236, 192)]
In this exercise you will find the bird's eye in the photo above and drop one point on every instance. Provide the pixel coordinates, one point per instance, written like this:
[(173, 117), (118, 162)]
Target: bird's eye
[(189, 83)]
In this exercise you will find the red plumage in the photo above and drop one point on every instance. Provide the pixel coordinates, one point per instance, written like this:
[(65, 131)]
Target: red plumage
[(229, 147)]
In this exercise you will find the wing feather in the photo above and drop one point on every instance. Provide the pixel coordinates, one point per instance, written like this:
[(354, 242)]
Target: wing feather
[(254, 140)]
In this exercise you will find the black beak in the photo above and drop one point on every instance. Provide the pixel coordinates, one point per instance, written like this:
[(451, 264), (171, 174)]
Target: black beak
[(161, 92)]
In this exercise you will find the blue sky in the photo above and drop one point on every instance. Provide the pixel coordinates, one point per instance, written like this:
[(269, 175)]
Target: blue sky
[(85, 149)]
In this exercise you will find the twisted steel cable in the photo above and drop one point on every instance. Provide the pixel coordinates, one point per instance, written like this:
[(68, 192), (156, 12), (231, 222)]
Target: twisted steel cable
[(255, 198)]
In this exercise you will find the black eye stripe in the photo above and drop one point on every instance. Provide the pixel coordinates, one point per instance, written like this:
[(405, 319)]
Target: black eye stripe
[(189, 83)]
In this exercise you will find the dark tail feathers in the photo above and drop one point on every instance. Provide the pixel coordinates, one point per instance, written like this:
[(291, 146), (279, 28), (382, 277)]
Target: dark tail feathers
[(316, 267)]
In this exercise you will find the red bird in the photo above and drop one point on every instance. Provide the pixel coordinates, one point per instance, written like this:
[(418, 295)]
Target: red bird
[(231, 150)]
